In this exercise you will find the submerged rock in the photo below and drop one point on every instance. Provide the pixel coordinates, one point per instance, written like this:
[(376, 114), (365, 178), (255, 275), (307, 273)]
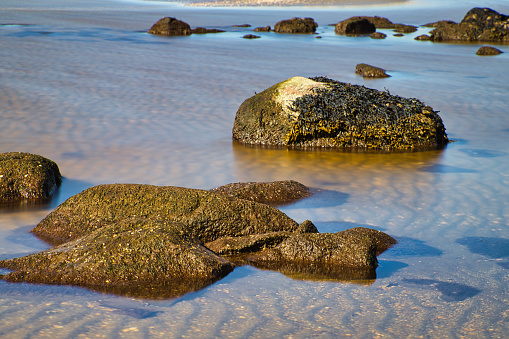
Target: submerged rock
[(271, 193), (327, 113), (479, 24), (368, 71), (203, 30), (27, 176), (488, 50), (170, 27), (296, 25)]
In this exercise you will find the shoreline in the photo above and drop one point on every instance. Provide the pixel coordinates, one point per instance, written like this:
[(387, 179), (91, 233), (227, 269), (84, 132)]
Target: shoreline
[(289, 3)]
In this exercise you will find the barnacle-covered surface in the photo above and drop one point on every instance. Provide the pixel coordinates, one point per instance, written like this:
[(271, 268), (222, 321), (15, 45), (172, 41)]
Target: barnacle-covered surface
[(345, 115), (27, 176)]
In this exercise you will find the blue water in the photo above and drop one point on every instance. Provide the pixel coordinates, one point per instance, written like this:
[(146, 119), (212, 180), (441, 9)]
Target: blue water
[(82, 84)]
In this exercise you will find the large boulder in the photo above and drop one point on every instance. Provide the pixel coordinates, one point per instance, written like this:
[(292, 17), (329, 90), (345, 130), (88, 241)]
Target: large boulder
[(27, 176), (296, 25), (321, 112), (479, 24), (170, 26), (208, 215)]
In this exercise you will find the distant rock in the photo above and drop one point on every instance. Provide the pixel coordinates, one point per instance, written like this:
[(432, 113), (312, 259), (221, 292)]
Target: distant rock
[(262, 29), (488, 50), (378, 35), (379, 22), (27, 176), (399, 35), (202, 30), (438, 23), (479, 24), (170, 27), (242, 25), (368, 71), (251, 36), (321, 112), (296, 26), (400, 28), (355, 27), (423, 37)]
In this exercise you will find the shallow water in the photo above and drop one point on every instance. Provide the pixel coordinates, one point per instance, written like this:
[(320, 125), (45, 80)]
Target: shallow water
[(81, 84)]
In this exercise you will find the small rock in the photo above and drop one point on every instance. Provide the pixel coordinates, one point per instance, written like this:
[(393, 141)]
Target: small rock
[(202, 30), (368, 71), (423, 37), (251, 36), (262, 29), (243, 25), (378, 35), (170, 27), (398, 35), (405, 28), (488, 50)]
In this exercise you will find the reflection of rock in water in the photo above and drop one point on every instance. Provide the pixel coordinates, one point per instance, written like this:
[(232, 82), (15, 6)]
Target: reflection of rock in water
[(494, 248), (409, 247), (450, 291)]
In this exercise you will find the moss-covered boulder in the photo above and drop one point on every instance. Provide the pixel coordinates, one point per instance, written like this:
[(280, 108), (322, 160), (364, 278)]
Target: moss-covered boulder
[(368, 71), (321, 112), (296, 26), (27, 176), (479, 24), (141, 257), (170, 27), (208, 215), (270, 193)]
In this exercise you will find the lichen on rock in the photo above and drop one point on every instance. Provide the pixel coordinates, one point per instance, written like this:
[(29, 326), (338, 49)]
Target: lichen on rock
[(321, 112)]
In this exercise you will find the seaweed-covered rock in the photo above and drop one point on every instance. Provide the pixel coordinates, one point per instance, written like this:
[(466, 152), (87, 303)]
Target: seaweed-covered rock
[(296, 25), (422, 37), (400, 28), (326, 113), (479, 24), (27, 176), (327, 254), (488, 50), (368, 71), (169, 27), (355, 27), (208, 215), (141, 257), (271, 193)]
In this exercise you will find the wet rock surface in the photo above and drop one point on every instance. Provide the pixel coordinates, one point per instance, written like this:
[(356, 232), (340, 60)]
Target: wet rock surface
[(27, 176), (170, 27), (296, 26), (321, 112), (479, 24), (368, 71)]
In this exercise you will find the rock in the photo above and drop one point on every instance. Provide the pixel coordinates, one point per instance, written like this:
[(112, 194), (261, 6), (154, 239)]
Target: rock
[(208, 215), (405, 28), (326, 255), (296, 25), (378, 35), (355, 27), (379, 22), (138, 257), (251, 36), (479, 24), (423, 37), (262, 29), (170, 26), (321, 112), (488, 50), (271, 193), (399, 35), (202, 30), (243, 25), (368, 71), (27, 176), (438, 23)]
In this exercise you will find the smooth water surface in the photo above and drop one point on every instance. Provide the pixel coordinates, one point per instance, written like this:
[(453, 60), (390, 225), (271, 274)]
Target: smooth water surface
[(82, 83)]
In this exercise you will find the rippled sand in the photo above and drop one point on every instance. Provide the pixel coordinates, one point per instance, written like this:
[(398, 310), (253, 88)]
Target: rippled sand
[(110, 103)]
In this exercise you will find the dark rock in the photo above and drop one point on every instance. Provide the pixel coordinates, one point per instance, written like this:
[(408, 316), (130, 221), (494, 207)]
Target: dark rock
[(208, 215), (262, 29), (243, 25), (318, 37), (27, 176), (479, 24), (368, 71), (202, 30), (140, 257), (251, 36), (399, 35), (405, 28), (320, 112), (423, 37), (296, 25), (378, 35), (169, 27), (438, 23), (488, 50), (271, 193), (379, 22), (355, 27)]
